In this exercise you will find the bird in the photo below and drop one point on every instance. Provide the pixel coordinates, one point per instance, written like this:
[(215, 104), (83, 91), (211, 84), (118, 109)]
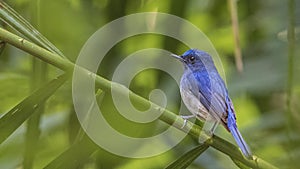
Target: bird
[(205, 95)]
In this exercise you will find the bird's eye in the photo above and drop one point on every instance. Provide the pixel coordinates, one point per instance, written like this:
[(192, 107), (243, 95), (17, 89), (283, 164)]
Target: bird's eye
[(192, 58)]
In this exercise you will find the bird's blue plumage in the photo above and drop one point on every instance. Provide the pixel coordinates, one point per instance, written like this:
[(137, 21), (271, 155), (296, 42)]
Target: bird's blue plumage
[(205, 94)]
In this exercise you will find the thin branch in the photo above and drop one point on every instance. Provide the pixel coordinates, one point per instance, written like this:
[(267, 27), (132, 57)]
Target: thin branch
[(106, 85), (235, 29), (18, 23)]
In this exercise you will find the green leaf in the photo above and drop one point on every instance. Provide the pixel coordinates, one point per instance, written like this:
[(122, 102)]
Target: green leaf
[(17, 22), (74, 156), (17, 115), (187, 159), (80, 150)]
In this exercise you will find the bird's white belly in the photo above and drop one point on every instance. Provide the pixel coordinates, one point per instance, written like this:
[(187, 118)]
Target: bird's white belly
[(194, 105)]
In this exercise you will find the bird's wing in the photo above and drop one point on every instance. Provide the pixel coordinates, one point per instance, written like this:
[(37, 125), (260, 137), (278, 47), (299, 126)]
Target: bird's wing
[(212, 92)]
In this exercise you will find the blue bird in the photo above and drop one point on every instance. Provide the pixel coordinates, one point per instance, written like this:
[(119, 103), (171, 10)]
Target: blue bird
[(205, 95)]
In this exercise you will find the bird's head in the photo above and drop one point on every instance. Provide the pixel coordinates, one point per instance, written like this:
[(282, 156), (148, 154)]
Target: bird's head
[(195, 59)]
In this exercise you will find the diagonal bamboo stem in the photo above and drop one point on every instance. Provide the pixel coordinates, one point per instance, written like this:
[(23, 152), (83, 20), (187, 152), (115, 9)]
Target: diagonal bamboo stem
[(17, 22), (106, 85)]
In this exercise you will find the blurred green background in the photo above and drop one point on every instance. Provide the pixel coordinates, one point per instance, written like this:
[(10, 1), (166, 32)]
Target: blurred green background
[(269, 123)]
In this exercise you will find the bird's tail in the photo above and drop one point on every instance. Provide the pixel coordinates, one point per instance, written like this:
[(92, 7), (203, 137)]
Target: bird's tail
[(240, 141)]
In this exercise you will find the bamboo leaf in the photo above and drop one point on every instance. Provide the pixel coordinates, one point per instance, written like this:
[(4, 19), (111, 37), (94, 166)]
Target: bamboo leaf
[(74, 156), (81, 149), (17, 22), (186, 159), (17, 115)]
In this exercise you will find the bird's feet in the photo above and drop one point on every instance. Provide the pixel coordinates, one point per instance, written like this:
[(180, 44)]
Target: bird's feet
[(185, 118)]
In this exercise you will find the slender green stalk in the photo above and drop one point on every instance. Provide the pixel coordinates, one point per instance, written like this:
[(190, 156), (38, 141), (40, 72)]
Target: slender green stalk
[(17, 22), (290, 122), (291, 55), (235, 28), (36, 51), (106, 85), (39, 76)]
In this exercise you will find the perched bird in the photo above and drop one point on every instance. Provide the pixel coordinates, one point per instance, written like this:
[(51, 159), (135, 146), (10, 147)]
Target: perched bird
[(205, 95)]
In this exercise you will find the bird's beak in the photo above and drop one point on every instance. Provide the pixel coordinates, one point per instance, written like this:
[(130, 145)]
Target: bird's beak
[(177, 57)]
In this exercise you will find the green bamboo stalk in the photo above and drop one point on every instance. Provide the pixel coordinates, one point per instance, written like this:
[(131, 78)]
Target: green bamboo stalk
[(235, 29), (106, 85), (291, 56), (290, 122), (18, 23), (39, 76)]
